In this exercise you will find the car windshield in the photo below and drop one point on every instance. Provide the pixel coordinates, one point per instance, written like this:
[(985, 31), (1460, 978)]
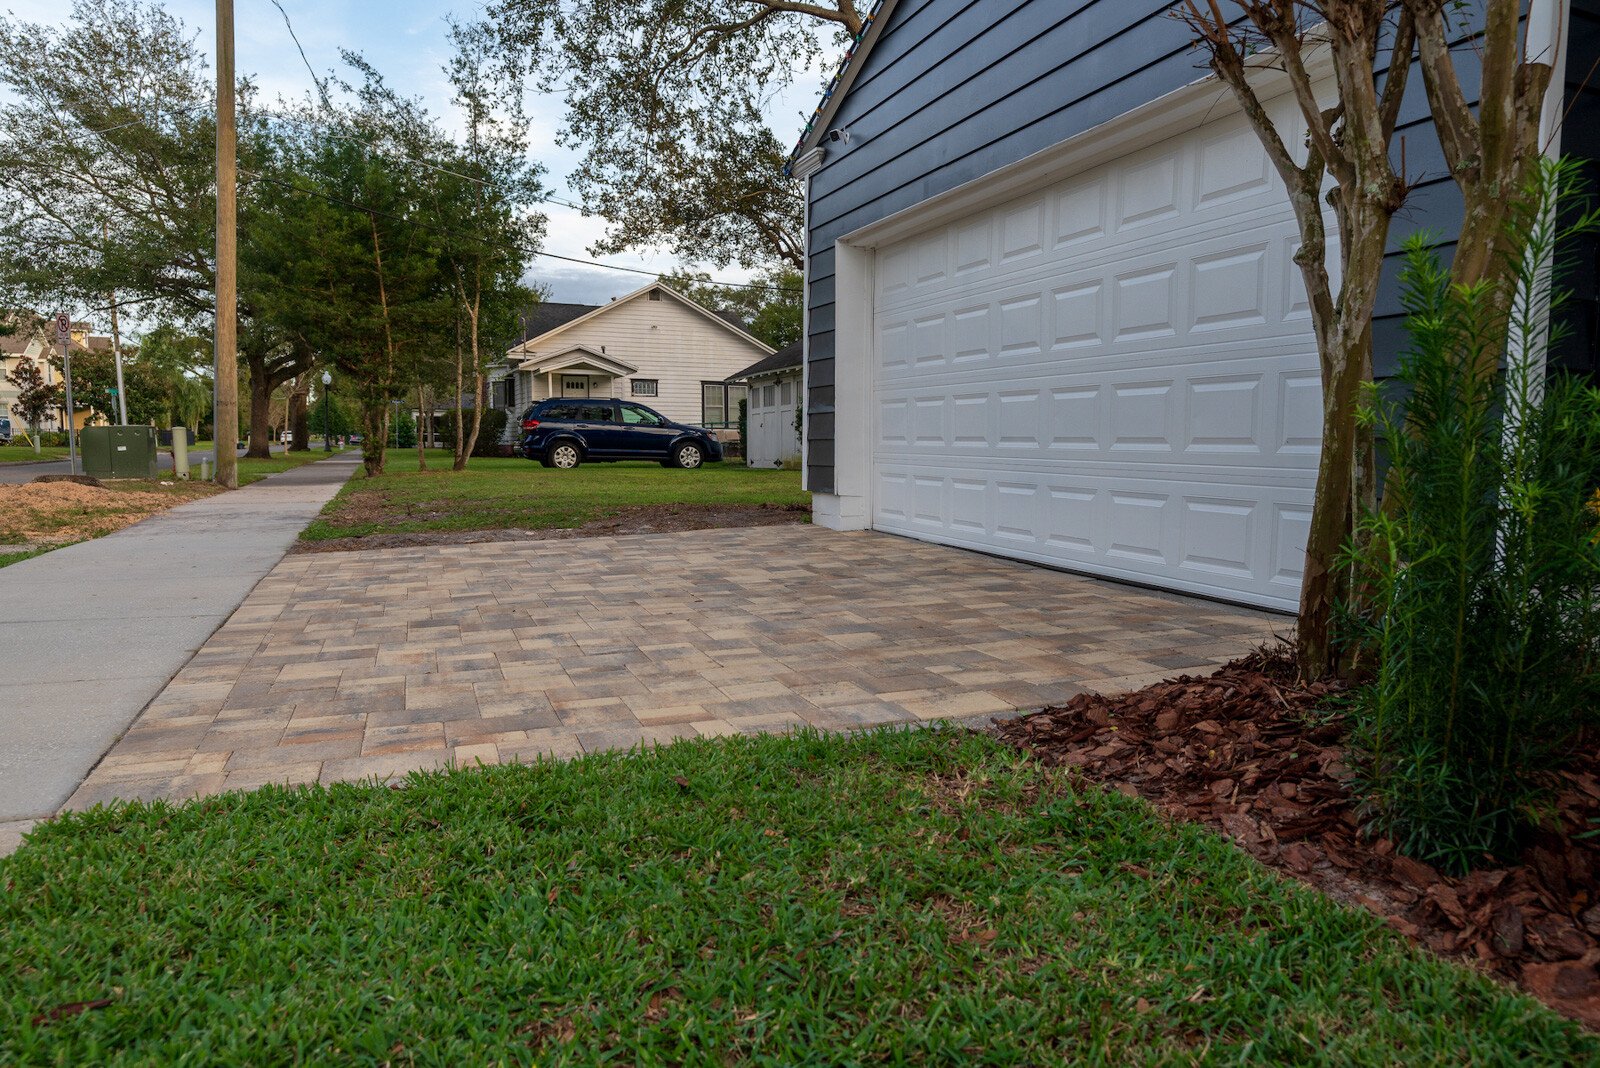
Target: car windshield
[(634, 415)]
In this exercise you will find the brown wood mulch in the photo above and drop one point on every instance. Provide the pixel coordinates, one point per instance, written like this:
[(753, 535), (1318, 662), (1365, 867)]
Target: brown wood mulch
[(635, 519), (1248, 751)]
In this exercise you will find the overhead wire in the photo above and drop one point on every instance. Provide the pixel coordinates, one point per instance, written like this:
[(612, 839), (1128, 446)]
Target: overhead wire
[(445, 170), (352, 205)]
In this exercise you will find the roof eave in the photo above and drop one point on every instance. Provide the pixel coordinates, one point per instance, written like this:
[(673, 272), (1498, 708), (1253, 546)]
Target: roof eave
[(834, 94)]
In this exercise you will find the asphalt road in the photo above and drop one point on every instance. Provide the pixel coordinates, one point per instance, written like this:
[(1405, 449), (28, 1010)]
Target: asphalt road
[(15, 473)]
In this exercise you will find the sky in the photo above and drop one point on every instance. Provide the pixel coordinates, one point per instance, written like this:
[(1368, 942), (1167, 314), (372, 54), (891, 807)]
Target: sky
[(405, 40)]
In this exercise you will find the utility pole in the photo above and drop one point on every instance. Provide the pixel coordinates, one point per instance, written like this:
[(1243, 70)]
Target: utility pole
[(226, 371), (116, 343)]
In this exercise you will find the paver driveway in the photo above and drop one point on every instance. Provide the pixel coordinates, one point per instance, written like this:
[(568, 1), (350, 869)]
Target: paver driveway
[(351, 665)]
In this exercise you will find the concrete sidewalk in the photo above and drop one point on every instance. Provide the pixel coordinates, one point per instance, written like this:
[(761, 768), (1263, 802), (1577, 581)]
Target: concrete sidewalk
[(92, 632)]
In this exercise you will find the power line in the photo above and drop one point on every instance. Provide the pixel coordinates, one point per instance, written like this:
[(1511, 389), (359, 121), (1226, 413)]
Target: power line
[(358, 207), (449, 232)]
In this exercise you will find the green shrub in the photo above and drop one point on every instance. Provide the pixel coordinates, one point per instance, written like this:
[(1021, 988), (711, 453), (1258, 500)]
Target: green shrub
[(52, 439), (404, 430), (1482, 567), (488, 444)]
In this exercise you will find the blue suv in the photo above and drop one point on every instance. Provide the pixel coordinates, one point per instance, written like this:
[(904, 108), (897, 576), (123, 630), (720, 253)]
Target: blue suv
[(565, 432)]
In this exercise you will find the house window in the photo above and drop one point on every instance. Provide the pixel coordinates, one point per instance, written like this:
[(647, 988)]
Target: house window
[(505, 392), (719, 404), (769, 396), (786, 388), (646, 387)]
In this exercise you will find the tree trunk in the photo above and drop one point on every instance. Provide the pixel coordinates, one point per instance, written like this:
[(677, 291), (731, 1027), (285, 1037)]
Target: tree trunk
[(261, 387), (374, 435), (480, 392), (422, 432), (299, 430), (459, 444)]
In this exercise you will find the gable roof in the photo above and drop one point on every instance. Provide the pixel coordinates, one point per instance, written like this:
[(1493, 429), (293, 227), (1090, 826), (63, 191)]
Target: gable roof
[(785, 359), (595, 310), (547, 315), (577, 356), (843, 77)]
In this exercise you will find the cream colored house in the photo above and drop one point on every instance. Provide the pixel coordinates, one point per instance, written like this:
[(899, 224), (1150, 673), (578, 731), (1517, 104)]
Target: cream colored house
[(35, 340), (654, 346)]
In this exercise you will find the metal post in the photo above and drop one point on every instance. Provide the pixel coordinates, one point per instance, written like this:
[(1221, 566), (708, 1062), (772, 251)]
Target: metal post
[(116, 347), (72, 422), (64, 335), (227, 355), (327, 425)]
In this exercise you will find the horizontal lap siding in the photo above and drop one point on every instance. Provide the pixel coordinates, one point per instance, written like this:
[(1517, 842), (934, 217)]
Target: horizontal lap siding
[(954, 89)]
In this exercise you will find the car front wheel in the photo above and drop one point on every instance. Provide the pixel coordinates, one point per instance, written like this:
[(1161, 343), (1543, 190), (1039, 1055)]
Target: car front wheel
[(565, 455), (688, 456)]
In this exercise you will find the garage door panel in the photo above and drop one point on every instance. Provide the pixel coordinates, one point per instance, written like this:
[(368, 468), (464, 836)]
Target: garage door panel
[(1215, 537), (1114, 374), (1243, 287), (1243, 412)]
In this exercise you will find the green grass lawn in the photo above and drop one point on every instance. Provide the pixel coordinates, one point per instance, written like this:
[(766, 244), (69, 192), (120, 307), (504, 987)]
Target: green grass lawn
[(909, 897), (497, 493), (7, 559), (23, 454)]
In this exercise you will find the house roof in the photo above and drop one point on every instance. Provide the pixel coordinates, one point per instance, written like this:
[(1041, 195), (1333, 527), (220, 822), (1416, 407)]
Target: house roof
[(545, 317), (785, 359), (577, 356), (30, 328), (849, 67), (584, 312)]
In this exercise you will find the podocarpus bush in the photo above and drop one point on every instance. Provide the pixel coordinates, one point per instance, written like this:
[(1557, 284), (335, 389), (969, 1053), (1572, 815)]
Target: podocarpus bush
[(490, 431), (1483, 565)]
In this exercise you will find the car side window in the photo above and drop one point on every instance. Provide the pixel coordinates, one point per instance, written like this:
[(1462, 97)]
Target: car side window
[(633, 415), (562, 413), (596, 413)]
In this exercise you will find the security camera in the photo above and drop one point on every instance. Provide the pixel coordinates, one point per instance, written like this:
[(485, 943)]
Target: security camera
[(839, 135)]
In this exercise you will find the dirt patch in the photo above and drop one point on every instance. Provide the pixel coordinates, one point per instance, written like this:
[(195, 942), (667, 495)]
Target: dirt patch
[(643, 519), (40, 513), (1246, 750)]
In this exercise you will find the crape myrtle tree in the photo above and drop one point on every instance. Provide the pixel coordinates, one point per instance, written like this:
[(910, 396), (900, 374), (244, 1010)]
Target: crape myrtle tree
[(487, 195), (400, 243), (664, 100), (1347, 169), (359, 282), (35, 398)]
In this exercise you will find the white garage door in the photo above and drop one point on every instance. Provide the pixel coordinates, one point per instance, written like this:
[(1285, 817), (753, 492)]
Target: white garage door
[(1116, 375)]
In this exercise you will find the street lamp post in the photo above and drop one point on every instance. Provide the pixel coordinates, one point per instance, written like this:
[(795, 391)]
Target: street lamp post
[(327, 425)]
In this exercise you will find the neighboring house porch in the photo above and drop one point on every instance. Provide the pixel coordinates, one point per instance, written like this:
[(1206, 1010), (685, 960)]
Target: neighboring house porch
[(654, 346)]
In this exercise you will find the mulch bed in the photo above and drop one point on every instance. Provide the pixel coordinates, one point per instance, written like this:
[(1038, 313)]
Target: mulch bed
[(1247, 750), (640, 519)]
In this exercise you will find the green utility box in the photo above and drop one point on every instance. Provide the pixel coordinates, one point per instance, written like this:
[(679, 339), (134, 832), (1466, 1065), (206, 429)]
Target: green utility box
[(118, 451)]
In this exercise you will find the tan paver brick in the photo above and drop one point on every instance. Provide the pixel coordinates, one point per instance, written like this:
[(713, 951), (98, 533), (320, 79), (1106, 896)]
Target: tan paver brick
[(374, 664)]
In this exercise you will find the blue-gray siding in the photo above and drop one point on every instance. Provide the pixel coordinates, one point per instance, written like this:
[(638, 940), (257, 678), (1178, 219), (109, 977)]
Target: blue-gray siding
[(955, 89)]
